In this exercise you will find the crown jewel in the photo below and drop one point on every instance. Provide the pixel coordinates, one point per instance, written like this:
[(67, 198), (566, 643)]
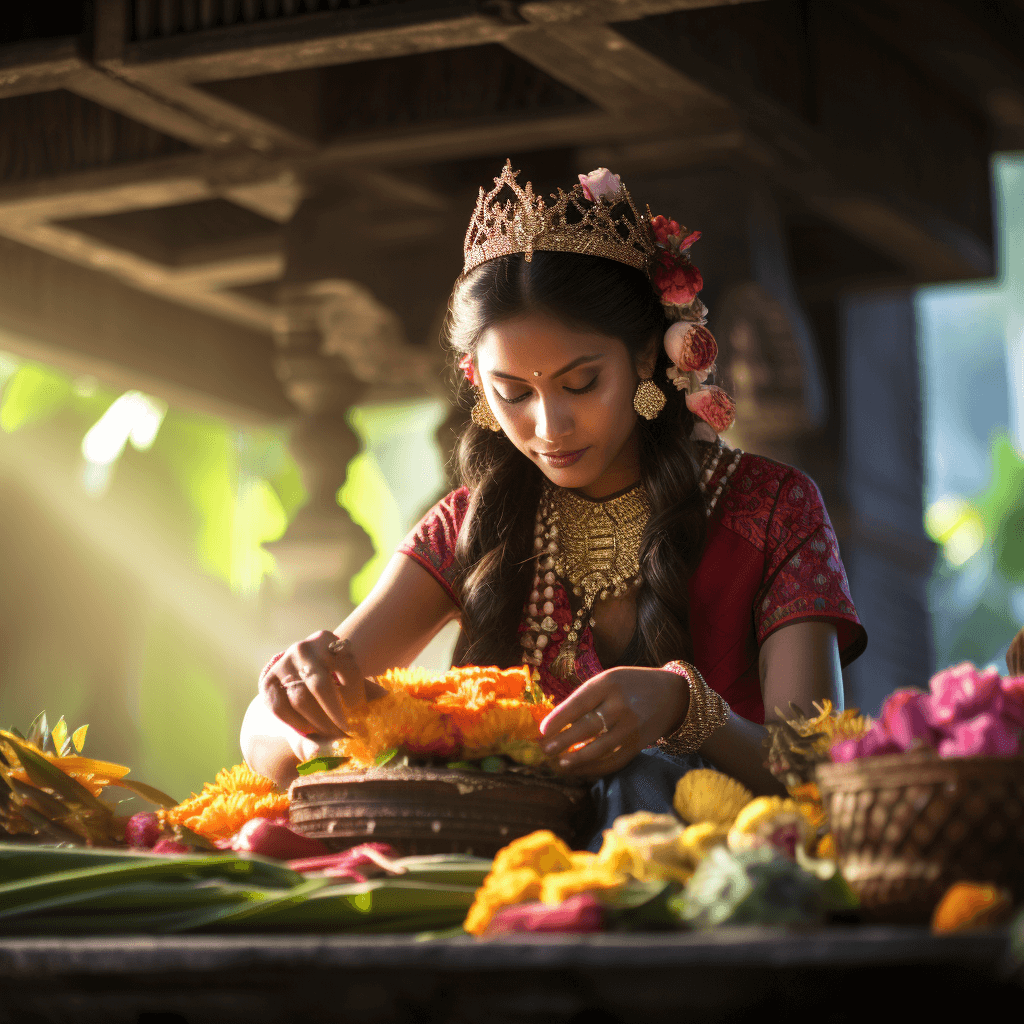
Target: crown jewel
[(611, 227)]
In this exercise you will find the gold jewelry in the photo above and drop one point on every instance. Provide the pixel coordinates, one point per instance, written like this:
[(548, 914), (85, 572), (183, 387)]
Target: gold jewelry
[(707, 712), (595, 547), (611, 227), (483, 416), (648, 400)]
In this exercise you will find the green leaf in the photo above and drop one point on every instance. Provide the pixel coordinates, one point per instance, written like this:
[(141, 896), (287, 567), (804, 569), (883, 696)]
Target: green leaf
[(43, 802), (462, 766), (42, 773), (150, 793), (492, 764), (38, 731), (54, 830), (320, 764), (383, 758), (78, 737), (17, 732), (185, 835), (60, 736)]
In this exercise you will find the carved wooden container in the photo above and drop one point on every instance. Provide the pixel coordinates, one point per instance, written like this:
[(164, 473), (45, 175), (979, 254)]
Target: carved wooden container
[(907, 826), (425, 810)]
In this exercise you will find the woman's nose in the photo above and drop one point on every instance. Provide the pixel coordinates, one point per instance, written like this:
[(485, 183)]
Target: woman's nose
[(554, 421)]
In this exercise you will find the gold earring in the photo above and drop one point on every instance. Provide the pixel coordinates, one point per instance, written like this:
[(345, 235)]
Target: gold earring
[(482, 415), (649, 399)]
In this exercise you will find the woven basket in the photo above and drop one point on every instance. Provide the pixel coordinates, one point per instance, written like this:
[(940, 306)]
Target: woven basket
[(907, 826), (424, 810)]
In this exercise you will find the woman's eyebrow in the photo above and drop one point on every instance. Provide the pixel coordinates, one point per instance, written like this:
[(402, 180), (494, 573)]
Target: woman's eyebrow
[(564, 369)]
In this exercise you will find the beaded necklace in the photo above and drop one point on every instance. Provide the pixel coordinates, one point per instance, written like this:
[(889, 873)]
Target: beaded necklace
[(594, 547)]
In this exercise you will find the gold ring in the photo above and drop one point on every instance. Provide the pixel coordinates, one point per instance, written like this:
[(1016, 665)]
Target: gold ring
[(337, 646), (604, 724)]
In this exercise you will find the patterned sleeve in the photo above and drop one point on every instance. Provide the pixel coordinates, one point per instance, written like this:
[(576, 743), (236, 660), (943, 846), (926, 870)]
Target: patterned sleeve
[(432, 541), (804, 576)]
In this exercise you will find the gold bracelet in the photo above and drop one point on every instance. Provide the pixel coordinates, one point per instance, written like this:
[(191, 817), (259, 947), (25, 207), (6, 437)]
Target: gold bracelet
[(707, 712)]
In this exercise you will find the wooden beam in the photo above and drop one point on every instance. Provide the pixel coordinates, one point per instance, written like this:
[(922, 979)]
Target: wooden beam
[(86, 321), (38, 66)]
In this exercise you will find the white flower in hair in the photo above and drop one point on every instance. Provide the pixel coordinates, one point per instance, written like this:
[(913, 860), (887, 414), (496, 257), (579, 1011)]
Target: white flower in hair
[(600, 184)]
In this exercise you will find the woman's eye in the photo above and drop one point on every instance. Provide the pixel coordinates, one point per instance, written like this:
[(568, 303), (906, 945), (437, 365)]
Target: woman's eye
[(586, 387), (512, 400)]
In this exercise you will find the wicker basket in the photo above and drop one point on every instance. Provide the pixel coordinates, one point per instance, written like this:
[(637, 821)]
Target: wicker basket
[(423, 810), (907, 826)]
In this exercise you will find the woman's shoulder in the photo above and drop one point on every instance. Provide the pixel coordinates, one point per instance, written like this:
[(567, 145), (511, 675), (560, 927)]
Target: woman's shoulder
[(766, 501)]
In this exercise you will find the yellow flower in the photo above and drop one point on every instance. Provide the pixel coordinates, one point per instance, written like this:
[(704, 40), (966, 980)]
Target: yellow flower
[(707, 795), (826, 847), (94, 775), (562, 884), (542, 851), (652, 842), (697, 841), (617, 854), (771, 820), (968, 906), (836, 725), (236, 796), (501, 889)]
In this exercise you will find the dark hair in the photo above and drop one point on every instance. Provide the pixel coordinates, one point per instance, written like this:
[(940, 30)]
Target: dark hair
[(494, 550)]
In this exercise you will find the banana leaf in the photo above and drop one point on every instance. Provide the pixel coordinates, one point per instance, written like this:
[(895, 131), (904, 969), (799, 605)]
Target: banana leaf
[(445, 868), (24, 860)]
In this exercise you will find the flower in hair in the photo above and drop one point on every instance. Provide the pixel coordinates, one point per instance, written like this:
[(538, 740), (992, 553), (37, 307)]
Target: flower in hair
[(600, 184), (691, 347), (466, 366), (713, 406), (669, 235), (677, 281)]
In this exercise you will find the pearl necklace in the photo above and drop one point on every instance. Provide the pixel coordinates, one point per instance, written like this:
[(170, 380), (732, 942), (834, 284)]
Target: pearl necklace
[(594, 546)]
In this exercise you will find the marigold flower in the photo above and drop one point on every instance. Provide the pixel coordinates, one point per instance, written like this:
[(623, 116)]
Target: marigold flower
[(697, 841), (542, 851), (561, 885), (771, 821), (967, 906), (707, 795)]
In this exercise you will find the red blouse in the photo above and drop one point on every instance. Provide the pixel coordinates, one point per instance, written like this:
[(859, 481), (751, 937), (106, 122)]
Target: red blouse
[(771, 558)]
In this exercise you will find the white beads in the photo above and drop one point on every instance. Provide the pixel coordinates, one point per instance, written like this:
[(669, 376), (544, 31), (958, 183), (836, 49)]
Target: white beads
[(549, 578), (549, 593), (549, 608), (542, 640)]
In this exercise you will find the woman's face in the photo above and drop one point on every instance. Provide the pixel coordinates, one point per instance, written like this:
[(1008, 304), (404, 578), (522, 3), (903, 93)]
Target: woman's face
[(564, 397)]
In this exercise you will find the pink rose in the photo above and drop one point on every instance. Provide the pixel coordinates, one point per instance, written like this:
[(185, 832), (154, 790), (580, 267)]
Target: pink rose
[(983, 736), (713, 406), (580, 913), (466, 366), (677, 282), (663, 228), (961, 692), (906, 719), (600, 184), (845, 750), (876, 742), (691, 347)]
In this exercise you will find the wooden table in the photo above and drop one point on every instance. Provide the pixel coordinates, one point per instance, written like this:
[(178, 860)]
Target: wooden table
[(831, 974)]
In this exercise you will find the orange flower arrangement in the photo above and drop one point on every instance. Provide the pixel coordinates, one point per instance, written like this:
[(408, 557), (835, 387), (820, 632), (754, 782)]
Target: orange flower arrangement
[(226, 804), (463, 714)]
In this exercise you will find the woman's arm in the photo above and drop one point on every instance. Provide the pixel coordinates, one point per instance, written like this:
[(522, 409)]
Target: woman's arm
[(798, 663), (304, 696)]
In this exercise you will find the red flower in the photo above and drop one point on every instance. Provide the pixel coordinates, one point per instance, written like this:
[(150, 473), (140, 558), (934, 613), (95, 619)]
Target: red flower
[(466, 366), (713, 406), (662, 228), (688, 240), (691, 346), (677, 282)]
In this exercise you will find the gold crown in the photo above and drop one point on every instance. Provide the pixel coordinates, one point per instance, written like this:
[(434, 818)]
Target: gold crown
[(610, 227)]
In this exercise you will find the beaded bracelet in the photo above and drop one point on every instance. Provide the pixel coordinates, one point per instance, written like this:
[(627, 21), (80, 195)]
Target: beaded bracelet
[(707, 712)]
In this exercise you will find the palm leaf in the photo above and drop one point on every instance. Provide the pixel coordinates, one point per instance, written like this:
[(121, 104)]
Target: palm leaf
[(43, 773), (150, 793)]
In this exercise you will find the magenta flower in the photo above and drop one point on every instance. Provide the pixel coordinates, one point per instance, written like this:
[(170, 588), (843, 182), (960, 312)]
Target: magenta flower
[(983, 736), (580, 913), (877, 741), (906, 719), (961, 692), (845, 750), (1013, 700)]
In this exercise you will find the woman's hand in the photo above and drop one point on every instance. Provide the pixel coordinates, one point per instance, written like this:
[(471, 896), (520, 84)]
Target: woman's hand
[(621, 711), (314, 685)]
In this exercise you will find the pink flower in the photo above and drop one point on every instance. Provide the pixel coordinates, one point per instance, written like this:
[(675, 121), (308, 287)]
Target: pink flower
[(688, 241), (466, 366), (983, 736), (713, 406), (906, 719), (600, 184), (692, 347), (876, 742), (663, 228), (845, 750), (961, 692), (677, 282), (580, 913)]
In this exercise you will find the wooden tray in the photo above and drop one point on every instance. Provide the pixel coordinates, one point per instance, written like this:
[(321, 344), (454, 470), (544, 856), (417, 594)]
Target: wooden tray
[(428, 810)]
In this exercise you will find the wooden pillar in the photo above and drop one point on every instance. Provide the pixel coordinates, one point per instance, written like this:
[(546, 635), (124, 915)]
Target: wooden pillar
[(322, 548), (888, 556)]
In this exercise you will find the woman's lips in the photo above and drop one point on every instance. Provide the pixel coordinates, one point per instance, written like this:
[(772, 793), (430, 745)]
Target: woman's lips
[(562, 459)]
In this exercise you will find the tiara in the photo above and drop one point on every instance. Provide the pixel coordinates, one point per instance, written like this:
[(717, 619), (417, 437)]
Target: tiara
[(610, 226)]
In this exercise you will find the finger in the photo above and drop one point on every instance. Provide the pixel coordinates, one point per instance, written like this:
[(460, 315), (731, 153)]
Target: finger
[(622, 736), (589, 726), (305, 704), (585, 698), (346, 668), (276, 698), (321, 682)]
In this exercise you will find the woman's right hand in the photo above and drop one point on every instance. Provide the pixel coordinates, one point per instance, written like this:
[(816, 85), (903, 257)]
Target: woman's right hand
[(314, 686)]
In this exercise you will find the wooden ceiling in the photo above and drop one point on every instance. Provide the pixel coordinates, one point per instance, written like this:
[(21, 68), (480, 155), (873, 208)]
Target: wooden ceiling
[(163, 163)]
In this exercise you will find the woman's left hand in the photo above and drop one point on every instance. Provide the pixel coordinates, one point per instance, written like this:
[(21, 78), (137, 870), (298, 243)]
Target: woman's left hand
[(620, 711)]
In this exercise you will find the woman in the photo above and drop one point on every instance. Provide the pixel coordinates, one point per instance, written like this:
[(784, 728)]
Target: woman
[(665, 589)]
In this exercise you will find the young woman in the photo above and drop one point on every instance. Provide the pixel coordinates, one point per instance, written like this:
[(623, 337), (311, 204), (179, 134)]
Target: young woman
[(665, 590)]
